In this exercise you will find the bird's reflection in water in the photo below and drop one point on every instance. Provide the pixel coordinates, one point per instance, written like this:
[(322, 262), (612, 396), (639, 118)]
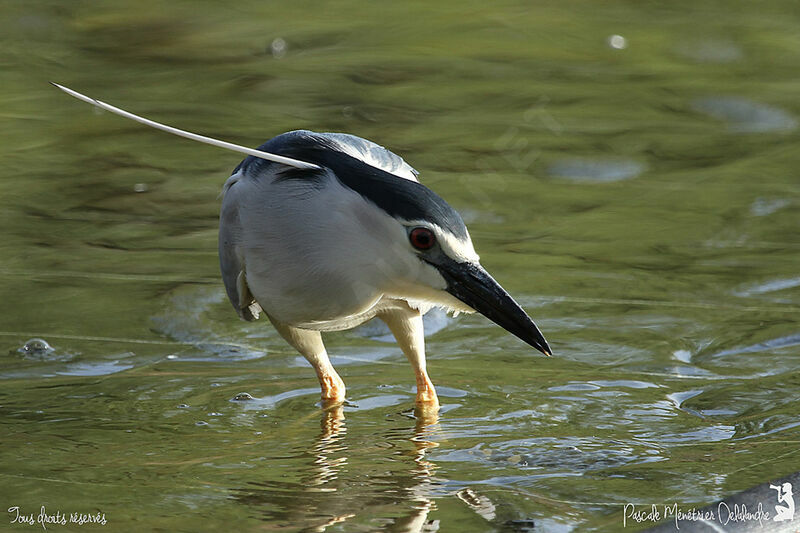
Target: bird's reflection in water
[(347, 479), (425, 430), (328, 449), (415, 494)]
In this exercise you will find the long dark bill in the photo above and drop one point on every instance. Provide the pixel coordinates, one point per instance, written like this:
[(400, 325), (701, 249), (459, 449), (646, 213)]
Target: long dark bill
[(475, 287)]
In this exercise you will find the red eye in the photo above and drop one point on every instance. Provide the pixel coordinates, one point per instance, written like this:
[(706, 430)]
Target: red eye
[(422, 238)]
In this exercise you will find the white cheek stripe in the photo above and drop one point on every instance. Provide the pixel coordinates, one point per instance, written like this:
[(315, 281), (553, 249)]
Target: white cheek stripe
[(460, 250), (453, 247)]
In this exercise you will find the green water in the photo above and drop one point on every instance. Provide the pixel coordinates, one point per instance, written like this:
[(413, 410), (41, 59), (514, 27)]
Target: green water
[(640, 202)]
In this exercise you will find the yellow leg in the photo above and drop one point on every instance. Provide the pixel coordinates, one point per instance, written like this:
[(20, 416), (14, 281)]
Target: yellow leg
[(309, 344), (406, 326)]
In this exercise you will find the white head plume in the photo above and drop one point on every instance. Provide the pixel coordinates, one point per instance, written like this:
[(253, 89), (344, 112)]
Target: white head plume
[(189, 135)]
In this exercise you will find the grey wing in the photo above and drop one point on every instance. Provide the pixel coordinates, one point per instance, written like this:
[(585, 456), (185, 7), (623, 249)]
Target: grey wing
[(231, 259), (372, 154)]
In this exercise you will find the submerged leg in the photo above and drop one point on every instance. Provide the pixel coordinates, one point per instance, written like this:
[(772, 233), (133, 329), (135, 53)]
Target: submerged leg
[(406, 326), (309, 344)]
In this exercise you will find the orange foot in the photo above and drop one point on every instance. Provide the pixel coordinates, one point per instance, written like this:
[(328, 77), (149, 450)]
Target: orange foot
[(333, 389), (426, 401)]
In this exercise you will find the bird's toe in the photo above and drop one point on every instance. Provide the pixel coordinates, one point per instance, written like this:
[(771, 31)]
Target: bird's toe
[(333, 389), (427, 409), (427, 400)]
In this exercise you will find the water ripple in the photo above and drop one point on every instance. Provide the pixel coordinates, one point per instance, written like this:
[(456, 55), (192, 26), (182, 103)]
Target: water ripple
[(595, 170), (744, 115)]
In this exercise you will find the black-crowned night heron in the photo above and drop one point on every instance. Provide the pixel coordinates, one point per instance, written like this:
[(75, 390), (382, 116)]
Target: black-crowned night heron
[(324, 231)]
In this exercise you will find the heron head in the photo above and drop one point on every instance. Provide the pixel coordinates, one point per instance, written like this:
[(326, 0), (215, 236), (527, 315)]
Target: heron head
[(454, 269)]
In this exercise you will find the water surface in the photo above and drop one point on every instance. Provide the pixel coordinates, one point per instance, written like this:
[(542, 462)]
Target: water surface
[(640, 200)]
